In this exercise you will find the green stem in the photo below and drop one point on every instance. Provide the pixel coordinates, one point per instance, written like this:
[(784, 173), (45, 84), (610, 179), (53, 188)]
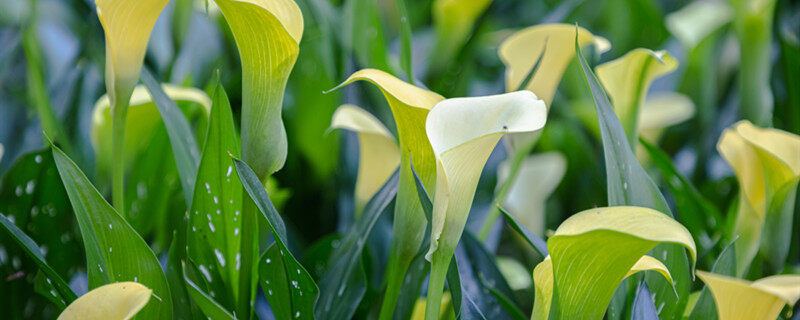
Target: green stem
[(396, 275), (249, 252), (439, 265), (119, 111), (494, 212), (754, 29)]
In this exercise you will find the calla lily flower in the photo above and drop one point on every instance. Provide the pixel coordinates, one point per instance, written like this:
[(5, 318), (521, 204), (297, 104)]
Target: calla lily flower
[(127, 26), (143, 115), (627, 80), (463, 132), (741, 299), (118, 301), (767, 164), (662, 110), (601, 247), (268, 35), (694, 22), (410, 106), (379, 155), (543, 282), (555, 44), (537, 178)]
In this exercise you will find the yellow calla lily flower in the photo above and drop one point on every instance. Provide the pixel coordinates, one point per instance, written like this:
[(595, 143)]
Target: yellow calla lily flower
[(520, 51), (116, 301), (662, 110), (267, 33), (463, 132), (767, 164), (410, 106), (627, 80), (742, 299), (537, 178), (378, 155), (142, 113), (601, 247), (127, 26), (694, 22), (543, 282)]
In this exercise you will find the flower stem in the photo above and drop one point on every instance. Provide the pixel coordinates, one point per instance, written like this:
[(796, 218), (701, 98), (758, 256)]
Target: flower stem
[(119, 112), (439, 265), (396, 272)]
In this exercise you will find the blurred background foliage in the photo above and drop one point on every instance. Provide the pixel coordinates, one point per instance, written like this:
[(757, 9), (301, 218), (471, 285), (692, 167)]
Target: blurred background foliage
[(52, 58)]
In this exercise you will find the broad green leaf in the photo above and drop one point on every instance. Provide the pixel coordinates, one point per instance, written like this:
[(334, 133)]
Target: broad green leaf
[(463, 132), (767, 164), (479, 274), (103, 230), (62, 290), (629, 184), (142, 119), (215, 223), (127, 26), (697, 20), (181, 137), (378, 153), (121, 300), (643, 306), (602, 246), (405, 40), (741, 299), (724, 265), (287, 285), (410, 106), (700, 216), (210, 308), (344, 284), (34, 200), (463, 301), (627, 80), (182, 307), (537, 178), (268, 35), (453, 21), (520, 50)]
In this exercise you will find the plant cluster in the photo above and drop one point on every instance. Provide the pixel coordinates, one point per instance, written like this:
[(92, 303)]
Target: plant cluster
[(497, 169)]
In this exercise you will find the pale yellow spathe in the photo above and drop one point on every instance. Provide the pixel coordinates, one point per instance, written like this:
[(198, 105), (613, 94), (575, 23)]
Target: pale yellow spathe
[(116, 301)]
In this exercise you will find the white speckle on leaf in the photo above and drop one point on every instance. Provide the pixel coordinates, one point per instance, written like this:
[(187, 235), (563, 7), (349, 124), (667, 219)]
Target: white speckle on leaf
[(205, 272), (110, 226), (30, 186), (211, 226), (268, 260), (216, 201), (220, 257), (230, 169), (18, 191), (38, 158), (236, 231), (238, 260)]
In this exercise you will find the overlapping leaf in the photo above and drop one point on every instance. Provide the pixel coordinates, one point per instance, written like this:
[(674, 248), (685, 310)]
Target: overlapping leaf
[(103, 230)]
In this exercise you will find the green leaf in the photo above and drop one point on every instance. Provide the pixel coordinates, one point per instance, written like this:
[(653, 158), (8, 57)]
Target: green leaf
[(287, 285), (215, 223), (643, 306), (536, 243), (345, 283), (629, 184), (463, 301), (482, 278), (705, 308), (268, 36), (181, 137), (33, 197), (64, 293), (364, 34), (182, 307), (211, 308), (405, 40), (103, 229)]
